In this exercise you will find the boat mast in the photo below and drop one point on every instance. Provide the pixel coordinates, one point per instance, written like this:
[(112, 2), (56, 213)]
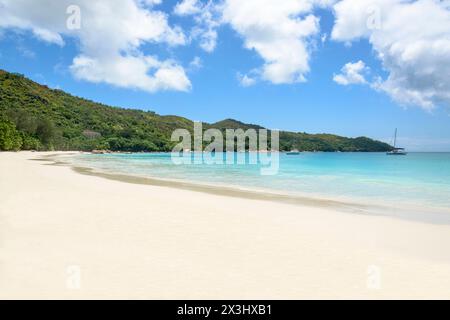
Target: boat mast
[(395, 138)]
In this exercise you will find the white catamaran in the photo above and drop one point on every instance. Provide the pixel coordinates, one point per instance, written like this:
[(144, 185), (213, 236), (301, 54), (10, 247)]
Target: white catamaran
[(397, 151)]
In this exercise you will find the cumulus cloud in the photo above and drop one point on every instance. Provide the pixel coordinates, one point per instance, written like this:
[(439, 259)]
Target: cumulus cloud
[(196, 63), (412, 40), (111, 35), (246, 80), (352, 73), (188, 7), (151, 2), (132, 72), (279, 31), (207, 17)]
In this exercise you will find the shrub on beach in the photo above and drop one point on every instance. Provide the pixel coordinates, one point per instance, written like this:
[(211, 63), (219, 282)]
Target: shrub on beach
[(10, 138)]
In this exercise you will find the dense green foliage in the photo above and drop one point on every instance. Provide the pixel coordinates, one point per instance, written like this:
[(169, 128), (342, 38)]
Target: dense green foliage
[(35, 117), (10, 138)]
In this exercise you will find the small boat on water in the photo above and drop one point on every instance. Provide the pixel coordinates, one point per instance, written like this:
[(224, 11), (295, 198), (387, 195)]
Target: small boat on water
[(293, 153), (397, 151)]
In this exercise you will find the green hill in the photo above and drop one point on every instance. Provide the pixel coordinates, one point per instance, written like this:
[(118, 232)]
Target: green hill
[(234, 124), (35, 117)]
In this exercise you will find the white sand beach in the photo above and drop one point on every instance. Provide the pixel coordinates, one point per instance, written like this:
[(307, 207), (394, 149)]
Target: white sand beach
[(66, 235)]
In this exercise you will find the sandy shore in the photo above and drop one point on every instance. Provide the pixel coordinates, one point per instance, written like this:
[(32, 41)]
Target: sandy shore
[(71, 236)]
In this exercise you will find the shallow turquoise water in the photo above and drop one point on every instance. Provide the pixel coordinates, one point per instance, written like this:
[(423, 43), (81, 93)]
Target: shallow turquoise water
[(419, 180)]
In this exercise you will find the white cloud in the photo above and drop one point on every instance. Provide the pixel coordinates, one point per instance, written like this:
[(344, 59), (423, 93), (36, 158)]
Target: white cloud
[(196, 63), (412, 40), (126, 72), (188, 7), (246, 80), (207, 17), (111, 35), (352, 73), (151, 2), (279, 31)]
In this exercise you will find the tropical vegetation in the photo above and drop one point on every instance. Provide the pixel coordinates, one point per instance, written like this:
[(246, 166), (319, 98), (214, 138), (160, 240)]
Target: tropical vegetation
[(36, 117)]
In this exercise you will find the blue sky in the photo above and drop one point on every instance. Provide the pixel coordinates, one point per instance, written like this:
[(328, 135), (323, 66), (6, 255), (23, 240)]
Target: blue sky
[(317, 105)]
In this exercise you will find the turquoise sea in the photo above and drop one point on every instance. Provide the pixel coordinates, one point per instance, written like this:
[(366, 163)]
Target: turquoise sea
[(416, 186)]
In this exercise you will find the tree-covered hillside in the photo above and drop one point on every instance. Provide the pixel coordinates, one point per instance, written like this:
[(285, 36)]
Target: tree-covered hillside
[(35, 117)]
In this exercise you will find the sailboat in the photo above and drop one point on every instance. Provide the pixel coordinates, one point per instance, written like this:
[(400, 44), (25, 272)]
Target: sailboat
[(397, 151), (294, 152)]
